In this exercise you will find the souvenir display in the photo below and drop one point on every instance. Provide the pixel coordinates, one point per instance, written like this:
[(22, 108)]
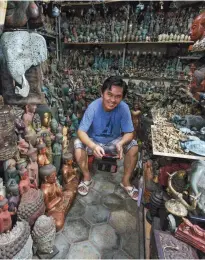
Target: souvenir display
[(54, 58)]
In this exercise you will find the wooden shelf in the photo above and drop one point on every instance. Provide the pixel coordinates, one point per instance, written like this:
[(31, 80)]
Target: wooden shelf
[(83, 3), (178, 155), (117, 43), (156, 78)]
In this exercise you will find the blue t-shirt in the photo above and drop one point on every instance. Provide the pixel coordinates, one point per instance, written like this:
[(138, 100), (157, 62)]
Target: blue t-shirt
[(102, 126)]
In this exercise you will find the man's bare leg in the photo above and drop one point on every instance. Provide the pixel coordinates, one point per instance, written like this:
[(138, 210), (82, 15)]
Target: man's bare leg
[(82, 160), (130, 162)]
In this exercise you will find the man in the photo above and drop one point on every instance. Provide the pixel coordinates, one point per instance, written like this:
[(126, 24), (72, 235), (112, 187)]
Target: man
[(197, 31), (106, 127)]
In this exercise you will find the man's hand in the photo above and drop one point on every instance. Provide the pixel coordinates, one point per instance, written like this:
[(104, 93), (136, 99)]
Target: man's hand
[(119, 150), (98, 151)]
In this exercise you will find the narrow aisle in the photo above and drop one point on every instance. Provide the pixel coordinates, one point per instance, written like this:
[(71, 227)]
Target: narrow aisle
[(105, 224)]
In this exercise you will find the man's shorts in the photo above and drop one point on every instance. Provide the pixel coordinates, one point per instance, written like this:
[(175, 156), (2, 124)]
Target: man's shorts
[(109, 148)]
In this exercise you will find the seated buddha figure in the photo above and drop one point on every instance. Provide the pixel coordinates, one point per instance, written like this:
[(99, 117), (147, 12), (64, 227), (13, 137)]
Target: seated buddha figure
[(42, 157), (55, 202)]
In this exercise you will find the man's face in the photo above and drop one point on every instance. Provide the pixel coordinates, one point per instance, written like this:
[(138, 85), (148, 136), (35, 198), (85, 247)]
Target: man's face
[(197, 30), (112, 97)]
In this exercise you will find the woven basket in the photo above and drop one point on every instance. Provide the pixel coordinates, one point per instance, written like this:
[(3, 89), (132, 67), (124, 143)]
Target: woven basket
[(8, 145)]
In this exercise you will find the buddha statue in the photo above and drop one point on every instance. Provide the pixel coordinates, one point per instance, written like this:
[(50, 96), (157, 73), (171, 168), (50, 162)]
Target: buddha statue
[(5, 216), (56, 204), (65, 143), (70, 177), (22, 146), (10, 170), (2, 188), (29, 114), (43, 235), (13, 195), (48, 144), (57, 151), (45, 115), (32, 166), (31, 204), (42, 157)]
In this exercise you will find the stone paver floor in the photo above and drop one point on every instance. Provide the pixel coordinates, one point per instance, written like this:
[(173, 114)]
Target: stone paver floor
[(102, 225)]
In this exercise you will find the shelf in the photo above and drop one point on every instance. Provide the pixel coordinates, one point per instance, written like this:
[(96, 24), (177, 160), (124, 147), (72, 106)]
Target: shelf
[(117, 43), (156, 78), (189, 57), (68, 4), (177, 155)]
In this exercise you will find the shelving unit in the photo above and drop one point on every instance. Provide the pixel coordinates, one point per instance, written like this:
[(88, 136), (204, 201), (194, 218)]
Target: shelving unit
[(117, 43)]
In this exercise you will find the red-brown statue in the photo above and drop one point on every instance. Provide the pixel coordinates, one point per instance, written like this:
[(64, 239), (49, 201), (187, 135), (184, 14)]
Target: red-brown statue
[(5, 216), (191, 234)]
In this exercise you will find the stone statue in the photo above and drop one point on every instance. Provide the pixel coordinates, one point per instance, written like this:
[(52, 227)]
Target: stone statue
[(5, 216), (16, 244), (13, 195), (10, 170), (23, 146), (29, 114), (32, 166), (32, 203), (191, 234), (65, 143), (43, 234), (42, 157), (57, 151), (2, 188), (56, 204)]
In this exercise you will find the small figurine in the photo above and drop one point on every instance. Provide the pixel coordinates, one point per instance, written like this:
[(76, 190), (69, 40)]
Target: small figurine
[(5, 216), (32, 166), (57, 151), (29, 114)]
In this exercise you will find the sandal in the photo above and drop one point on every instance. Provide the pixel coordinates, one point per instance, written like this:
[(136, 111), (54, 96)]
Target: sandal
[(131, 191), (86, 186)]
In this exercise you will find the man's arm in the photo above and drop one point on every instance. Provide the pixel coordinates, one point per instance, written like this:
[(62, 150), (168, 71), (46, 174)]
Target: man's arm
[(98, 151)]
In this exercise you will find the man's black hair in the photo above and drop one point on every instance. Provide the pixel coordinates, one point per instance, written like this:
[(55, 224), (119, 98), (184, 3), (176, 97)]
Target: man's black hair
[(116, 81)]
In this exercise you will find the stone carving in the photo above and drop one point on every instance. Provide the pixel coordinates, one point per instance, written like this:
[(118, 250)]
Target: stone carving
[(16, 244), (29, 114), (5, 216), (191, 234), (43, 234), (32, 50), (33, 76), (31, 205), (32, 166)]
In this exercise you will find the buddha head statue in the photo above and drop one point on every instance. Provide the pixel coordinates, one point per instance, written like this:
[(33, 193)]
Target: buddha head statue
[(197, 31), (54, 125), (48, 173)]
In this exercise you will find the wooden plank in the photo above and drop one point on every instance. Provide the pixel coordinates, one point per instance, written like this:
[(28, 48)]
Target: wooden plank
[(147, 228), (178, 155)]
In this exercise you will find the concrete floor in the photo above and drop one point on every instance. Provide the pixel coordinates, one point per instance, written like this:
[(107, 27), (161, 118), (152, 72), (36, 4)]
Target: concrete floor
[(105, 224)]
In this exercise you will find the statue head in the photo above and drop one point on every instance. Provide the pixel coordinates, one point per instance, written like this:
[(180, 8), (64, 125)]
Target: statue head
[(48, 173), (65, 131), (198, 28), (46, 119), (3, 204), (68, 158), (59, 138), (30, 108)]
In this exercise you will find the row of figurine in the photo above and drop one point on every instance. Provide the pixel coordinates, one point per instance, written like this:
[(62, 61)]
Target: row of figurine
[(109, 25), (176, 196), (145, 64)]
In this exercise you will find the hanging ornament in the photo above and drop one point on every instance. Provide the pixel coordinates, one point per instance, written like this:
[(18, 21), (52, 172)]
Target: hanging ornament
[(55, 11), (161, 5)]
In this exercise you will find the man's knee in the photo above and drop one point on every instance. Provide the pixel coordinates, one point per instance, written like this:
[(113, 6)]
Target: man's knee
[(133, 151), (78, 144)]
